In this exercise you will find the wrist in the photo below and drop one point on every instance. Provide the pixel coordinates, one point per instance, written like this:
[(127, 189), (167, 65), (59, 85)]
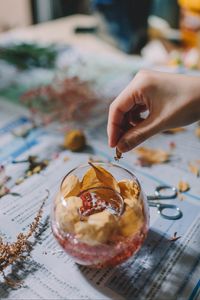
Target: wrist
[(192, 94)]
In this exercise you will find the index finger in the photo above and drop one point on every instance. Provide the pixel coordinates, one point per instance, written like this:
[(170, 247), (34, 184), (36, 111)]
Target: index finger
[(119, 107)]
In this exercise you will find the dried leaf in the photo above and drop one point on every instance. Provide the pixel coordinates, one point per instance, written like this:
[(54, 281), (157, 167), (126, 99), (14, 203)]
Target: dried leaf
[(99, 199), (118, 155), (194, 169), (67, 213), (183, 186), (70, 186), (129, 189), (97, 176), (131, 221), (197, 132), (149, 157), (174, 130)]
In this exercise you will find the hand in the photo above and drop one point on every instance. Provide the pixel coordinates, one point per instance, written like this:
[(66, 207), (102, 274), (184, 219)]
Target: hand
[(171, 100)]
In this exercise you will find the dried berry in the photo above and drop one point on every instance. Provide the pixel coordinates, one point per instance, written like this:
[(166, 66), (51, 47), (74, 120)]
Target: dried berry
[(75, 140)]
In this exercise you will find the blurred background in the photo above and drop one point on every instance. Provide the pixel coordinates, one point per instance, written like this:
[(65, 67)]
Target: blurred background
[(104, 42), (127, 24)]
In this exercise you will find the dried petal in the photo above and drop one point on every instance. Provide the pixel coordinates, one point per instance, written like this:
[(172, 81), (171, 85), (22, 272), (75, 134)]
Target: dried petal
[(183, 186), (194, 169), (197, 132), (99, 228), (118, 155), (97, 176), (131, 221), (19, 180), (67, 214), (129, 189), (174, 130), (70, 186)]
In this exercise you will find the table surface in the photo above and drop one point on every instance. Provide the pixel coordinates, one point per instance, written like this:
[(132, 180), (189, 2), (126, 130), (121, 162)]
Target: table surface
[(161, 263)]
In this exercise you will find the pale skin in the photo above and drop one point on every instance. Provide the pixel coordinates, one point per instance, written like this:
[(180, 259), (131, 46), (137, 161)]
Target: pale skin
[(172, 100)]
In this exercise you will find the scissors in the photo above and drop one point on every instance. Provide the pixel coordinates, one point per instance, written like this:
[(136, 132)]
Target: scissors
[(164, 192)]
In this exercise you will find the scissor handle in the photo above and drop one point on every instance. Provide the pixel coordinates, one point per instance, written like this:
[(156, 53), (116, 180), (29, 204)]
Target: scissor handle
[(162, 207), (159, 194)]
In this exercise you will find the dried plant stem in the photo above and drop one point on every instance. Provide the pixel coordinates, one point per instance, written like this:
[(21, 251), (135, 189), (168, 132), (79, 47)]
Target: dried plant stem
[(10, 253)]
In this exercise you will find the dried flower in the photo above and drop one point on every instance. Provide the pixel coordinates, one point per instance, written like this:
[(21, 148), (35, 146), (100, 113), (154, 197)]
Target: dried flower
[(11, 253), (35, 167), (66, 100)]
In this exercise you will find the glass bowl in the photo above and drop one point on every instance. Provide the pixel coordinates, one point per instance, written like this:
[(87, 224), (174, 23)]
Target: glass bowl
[(100, 215)]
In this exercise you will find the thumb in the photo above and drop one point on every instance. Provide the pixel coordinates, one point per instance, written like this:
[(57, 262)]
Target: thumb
[(138, 134)]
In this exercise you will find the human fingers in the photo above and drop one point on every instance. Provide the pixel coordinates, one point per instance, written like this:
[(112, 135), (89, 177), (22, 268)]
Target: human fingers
[(117, 115), (138, 134)]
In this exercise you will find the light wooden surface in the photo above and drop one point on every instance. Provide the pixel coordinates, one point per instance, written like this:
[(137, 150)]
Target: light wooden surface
[(62, 31)]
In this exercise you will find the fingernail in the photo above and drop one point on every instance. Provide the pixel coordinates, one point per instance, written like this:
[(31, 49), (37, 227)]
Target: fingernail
[(123, 146)]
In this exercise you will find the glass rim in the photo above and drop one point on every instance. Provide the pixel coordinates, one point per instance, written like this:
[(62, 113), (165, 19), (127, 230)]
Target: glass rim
[(81, 166)]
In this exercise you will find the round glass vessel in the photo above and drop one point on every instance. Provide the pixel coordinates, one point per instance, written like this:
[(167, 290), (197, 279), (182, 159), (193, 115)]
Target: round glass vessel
[(100, 215)]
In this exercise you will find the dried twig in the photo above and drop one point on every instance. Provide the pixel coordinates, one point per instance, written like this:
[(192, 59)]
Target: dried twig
[(11, 253)]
